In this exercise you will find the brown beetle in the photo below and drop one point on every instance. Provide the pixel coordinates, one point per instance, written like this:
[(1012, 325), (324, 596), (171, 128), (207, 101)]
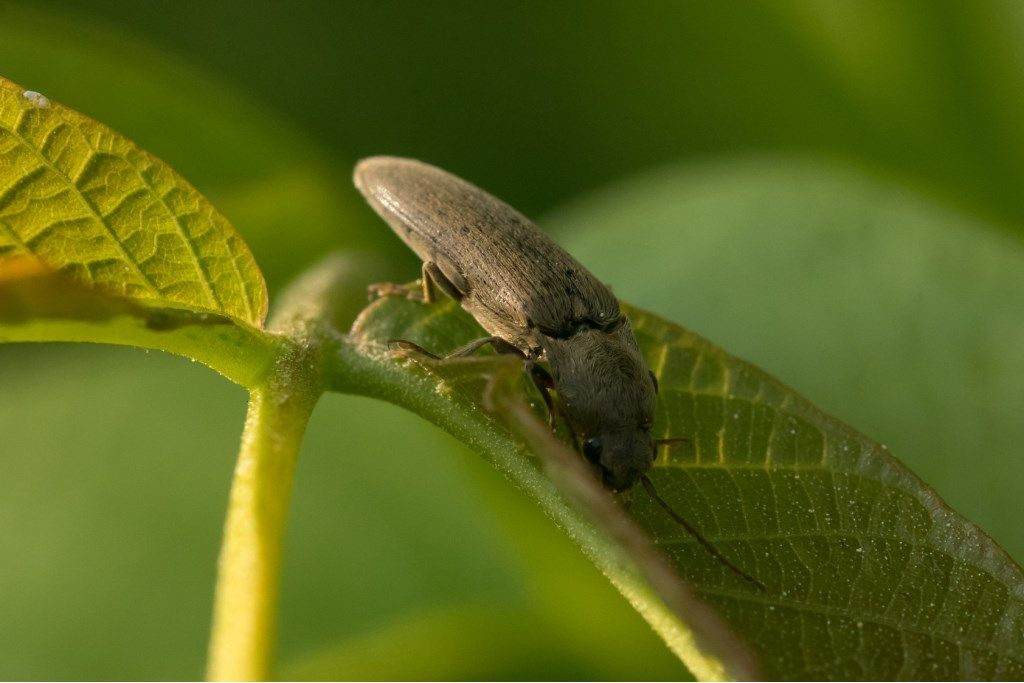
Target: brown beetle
[(537, 301)]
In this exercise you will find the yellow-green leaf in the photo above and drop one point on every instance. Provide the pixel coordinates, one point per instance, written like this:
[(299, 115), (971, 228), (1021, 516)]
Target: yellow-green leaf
[(93, 206), (38, 305)]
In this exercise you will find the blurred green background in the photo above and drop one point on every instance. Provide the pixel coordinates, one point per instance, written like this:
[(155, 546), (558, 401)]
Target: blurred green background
[(830, 188)]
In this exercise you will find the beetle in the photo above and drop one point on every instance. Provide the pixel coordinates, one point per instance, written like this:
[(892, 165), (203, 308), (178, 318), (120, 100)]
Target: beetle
[(534, 300)]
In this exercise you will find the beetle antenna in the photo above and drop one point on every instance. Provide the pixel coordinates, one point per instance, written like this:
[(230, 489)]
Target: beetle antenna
[(671, 440), (690, 529)]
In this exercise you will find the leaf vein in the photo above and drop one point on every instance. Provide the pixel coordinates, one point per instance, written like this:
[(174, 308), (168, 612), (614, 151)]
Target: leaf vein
[(204, 276), (146, 280), (834, 611)]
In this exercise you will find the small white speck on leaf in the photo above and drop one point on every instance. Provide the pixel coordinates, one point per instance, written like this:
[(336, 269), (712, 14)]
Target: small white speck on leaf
[(36, 99)]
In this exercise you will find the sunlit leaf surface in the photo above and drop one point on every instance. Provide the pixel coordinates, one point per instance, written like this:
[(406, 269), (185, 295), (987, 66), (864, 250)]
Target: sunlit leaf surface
[(38, 305), (867, 573), (91, 205)]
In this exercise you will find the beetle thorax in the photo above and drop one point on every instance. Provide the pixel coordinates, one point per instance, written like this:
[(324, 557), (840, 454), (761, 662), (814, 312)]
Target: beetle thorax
[(607, 396)]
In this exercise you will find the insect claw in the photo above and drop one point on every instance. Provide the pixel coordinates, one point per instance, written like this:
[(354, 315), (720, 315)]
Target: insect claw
[(381, 290), (406, 345)]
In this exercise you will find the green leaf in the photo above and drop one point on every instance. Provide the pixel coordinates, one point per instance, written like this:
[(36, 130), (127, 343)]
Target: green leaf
[(888, 308), (450, 396), (38, 305), (90, 204), (868, 573)]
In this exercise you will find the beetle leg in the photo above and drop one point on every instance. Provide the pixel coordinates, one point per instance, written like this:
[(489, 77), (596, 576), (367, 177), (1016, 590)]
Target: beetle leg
[(427, 282), (499, 344), (381, 290), (545, 383), (407, 345), (432, 275)]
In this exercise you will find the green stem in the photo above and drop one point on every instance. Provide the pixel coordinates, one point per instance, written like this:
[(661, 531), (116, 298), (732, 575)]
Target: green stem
[(312, 310), (245, 605)]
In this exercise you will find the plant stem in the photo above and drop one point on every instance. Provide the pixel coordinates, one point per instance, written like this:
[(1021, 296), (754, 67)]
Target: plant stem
[(312, 310), (245, 604)]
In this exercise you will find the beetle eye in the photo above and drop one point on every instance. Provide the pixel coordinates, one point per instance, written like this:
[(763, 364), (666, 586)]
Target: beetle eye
[(592, 449)]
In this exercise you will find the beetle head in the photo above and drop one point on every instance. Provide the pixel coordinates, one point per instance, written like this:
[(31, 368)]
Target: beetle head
[(621, 457)]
